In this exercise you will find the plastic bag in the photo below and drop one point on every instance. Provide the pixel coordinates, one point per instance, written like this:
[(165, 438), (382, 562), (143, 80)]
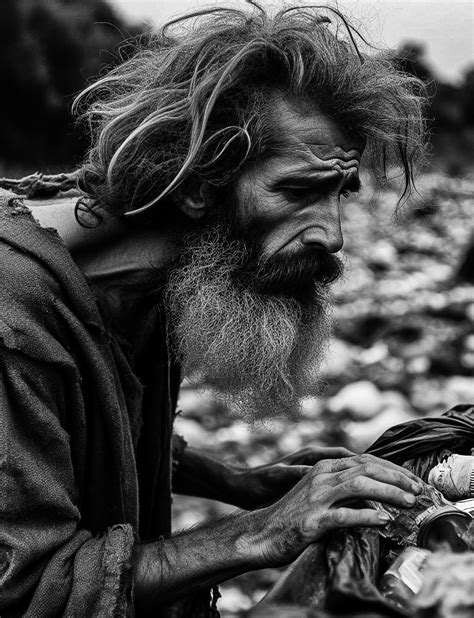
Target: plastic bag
[(418, 444)]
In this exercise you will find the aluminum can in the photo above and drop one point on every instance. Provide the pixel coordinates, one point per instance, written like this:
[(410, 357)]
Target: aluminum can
[(444, 528), (466, 505)]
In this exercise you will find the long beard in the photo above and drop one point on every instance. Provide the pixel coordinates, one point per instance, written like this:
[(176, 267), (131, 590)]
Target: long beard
[(261, 351)]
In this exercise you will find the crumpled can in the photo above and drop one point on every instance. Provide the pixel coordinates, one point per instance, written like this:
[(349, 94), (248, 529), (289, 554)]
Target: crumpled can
[(404, 578)]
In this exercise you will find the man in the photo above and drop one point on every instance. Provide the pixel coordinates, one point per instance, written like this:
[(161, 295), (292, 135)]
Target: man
[(220, 159)]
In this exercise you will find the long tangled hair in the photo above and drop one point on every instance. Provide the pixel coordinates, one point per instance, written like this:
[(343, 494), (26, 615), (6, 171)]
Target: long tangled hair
[(192, 102)]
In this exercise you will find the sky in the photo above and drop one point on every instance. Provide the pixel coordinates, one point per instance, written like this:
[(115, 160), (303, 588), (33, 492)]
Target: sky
[(445, 27)]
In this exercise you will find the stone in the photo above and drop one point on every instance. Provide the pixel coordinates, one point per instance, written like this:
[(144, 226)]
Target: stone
[(311, 407), (290, 442), (338, 359), (395, 399), (459, 389), (192, 432), (233, 600), (382, 255), (360, 400), (239, 432)]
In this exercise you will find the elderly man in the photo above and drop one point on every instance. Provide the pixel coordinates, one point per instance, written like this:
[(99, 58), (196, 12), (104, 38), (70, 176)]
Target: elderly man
[(203, 244)]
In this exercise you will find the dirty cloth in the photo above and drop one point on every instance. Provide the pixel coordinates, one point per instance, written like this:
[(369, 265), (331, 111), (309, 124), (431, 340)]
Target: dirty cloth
[(84, 439)]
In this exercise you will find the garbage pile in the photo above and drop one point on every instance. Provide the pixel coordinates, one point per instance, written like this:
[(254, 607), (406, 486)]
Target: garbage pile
[(420, 564)]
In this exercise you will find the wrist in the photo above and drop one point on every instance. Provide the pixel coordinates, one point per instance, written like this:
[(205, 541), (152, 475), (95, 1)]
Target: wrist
[(196, 558), (252, 543)]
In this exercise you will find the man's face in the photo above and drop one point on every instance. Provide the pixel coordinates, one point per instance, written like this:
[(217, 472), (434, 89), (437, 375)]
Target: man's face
[(249, 302), (290, 202)]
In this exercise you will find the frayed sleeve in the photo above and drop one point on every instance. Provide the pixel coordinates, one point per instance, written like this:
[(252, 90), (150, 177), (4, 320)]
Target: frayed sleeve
[(49, 564)]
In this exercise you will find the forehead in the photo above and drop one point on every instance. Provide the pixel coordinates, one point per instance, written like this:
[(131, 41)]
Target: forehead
[(304, 137)]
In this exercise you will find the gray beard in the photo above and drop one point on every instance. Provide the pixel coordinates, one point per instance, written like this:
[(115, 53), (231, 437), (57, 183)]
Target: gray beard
[(262, 352)]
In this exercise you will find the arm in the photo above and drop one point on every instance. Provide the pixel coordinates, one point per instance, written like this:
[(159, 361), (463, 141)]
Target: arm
[(200, 475), (272, 536)]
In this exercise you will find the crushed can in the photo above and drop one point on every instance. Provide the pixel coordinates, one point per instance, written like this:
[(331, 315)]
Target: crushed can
[(403, 580)]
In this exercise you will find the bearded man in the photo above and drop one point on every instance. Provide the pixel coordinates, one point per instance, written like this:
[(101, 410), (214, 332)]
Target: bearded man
[(202, 245)]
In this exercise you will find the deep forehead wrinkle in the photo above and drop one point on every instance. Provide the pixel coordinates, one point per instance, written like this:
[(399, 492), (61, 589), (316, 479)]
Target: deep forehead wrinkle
[(327, 152), (306, 159), (322, 152)]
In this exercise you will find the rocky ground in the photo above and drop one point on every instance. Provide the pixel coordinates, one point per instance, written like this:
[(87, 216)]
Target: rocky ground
[(403, 346)]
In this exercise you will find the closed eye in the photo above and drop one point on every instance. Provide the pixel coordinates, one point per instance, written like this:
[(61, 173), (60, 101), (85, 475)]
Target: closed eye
[(299, 193)]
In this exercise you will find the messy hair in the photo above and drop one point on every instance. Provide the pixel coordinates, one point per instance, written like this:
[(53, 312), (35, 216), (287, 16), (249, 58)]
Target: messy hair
[(192, 103)]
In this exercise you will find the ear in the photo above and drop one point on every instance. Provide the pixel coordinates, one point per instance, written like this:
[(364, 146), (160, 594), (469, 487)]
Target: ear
[(192, 202)]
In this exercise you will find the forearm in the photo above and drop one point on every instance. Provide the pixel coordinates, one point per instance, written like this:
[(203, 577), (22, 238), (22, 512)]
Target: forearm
[(202, 476), (199, 557)]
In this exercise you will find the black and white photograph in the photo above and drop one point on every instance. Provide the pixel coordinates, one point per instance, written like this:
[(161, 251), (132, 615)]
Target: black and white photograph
[(237, 309)]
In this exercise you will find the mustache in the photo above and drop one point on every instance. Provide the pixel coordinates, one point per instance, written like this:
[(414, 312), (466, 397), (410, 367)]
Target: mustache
[(302, 269)]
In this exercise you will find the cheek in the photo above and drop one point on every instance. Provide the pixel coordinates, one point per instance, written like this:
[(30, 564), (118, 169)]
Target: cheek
[(259, 204)]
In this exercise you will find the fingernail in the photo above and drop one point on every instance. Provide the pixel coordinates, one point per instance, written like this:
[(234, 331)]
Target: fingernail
[(409, 498), (417, 488), (383, 516)]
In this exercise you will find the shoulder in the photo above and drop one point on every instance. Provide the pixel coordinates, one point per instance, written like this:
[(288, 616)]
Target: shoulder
[(41, 290), (23, 278), (29, 297)]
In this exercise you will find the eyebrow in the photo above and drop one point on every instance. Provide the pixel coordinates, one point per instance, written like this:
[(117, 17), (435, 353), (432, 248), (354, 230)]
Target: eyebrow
[(351, 183)]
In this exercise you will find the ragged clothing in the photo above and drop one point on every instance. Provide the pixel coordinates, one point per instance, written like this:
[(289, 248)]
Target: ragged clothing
[(85, 440)]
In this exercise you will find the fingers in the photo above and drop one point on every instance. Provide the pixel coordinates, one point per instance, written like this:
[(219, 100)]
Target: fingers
[(368, 459), (381, 472), (368, 488), (344, 517), (367, 464)]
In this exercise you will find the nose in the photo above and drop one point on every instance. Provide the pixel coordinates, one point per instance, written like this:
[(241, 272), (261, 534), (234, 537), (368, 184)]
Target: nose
[(325, 228)]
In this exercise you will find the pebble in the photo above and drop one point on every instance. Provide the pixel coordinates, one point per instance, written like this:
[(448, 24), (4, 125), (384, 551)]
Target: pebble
[(375, 354), (382, 254), (469, 343), (418, 365), (290, 442), (395, 399), (360, 400), (239, 432), (192, 432), (311, 407), (460, 389), (233, 600), (195, 401), (338, 359)]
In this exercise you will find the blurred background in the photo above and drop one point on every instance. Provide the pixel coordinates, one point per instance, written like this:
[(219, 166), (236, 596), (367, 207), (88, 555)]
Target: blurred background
[(403, 345)]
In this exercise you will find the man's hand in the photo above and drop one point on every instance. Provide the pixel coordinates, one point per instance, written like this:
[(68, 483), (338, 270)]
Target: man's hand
[(323, 500), (263, 485)]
